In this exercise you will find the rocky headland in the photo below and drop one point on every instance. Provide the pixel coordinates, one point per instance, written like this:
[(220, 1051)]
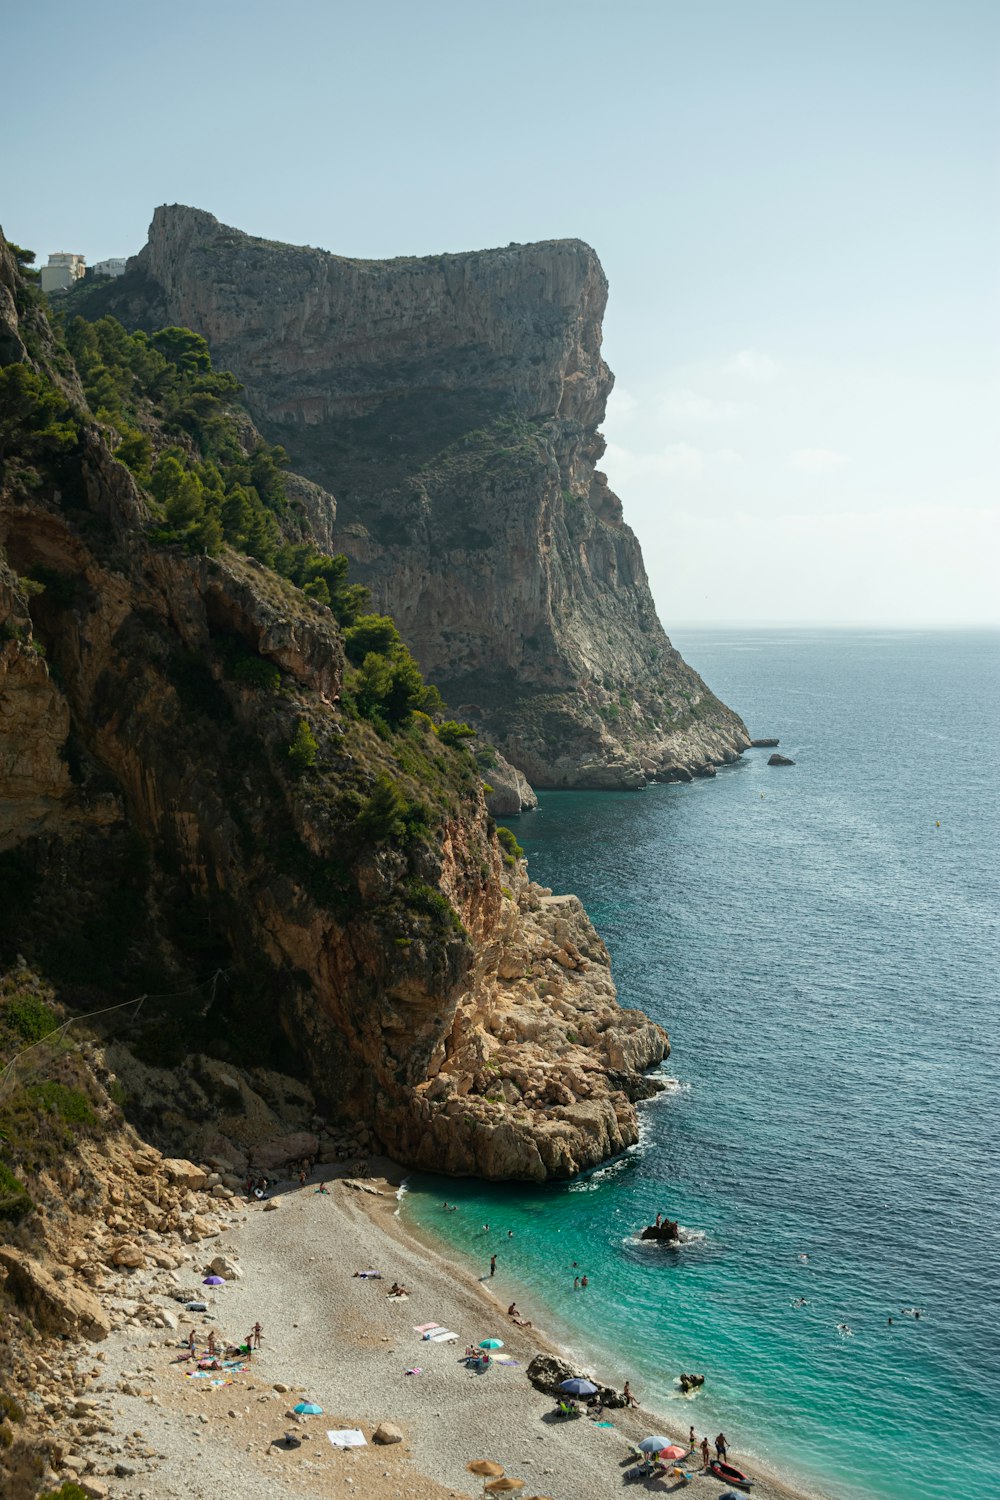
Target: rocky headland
[(452, 405), (206, 767)]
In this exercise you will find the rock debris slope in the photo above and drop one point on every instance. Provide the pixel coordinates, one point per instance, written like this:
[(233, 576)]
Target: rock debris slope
[(452, 404)]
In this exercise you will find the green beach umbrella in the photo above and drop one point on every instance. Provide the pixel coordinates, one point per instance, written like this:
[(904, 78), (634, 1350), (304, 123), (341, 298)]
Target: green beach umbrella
[(491, 1344)]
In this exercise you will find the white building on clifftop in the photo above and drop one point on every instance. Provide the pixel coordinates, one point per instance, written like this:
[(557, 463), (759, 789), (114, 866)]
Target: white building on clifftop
[(113, 266), (63, 271)]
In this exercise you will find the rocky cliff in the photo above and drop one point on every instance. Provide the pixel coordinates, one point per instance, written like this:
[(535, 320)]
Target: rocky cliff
[(452, 404), (194, 778)]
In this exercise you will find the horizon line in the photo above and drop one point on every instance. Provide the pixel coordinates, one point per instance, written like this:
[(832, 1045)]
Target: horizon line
[(799, 624)]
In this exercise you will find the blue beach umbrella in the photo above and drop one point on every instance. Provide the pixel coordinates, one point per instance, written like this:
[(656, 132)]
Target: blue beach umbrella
[(491, 1344), (654, 1444), (577, 1387), (308, 1409)]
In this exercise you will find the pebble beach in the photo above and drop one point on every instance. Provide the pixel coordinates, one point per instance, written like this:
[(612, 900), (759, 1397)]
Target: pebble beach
[(341, 1342)]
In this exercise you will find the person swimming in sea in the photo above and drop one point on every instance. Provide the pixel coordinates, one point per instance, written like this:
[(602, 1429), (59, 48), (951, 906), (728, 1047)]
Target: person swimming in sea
[(845, 1330), (800, 1302)]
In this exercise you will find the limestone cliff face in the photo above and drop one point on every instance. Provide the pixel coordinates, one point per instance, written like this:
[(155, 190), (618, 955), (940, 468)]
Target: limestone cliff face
[(150, 816), (452, 404)]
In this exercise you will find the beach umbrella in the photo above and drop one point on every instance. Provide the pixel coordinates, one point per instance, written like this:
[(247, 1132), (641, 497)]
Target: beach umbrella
[(673, 1452), (503, 1486), (491, 1344), (577, 1387), (485, 1469), (308, 1409), (213, 1281), (654, 1444)]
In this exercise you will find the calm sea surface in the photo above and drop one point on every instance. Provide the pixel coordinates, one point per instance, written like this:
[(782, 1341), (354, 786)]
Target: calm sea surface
[(821, 942)]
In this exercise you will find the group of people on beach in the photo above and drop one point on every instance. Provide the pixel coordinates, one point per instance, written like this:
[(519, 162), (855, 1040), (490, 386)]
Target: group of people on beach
[(721, 1448), (213, 1357)]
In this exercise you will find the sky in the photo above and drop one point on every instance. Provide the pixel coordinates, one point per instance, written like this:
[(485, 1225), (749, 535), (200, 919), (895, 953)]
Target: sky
[(795, 202)]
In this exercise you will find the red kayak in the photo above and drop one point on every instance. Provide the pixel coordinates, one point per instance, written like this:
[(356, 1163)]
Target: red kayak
[(729, 1473)]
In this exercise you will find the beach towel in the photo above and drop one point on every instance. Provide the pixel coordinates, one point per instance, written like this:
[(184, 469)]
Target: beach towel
[(425, 1327), (348, 1437), (416, 1370), (442, 1336), (504, 1360)]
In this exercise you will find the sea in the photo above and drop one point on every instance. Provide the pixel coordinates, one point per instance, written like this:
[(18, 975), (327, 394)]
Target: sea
[(821, 943)]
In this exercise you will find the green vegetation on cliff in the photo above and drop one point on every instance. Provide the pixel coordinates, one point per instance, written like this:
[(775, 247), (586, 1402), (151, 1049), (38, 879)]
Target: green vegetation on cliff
[(296, 774)]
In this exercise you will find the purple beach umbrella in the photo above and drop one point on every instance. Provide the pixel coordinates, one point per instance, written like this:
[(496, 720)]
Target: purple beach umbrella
[(214, 1281)]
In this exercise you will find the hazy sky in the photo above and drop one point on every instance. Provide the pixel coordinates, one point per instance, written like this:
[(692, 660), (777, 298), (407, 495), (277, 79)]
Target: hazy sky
[(795, 202)]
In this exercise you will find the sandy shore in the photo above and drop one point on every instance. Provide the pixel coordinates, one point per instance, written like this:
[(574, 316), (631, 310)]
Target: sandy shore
[(341, 1342)]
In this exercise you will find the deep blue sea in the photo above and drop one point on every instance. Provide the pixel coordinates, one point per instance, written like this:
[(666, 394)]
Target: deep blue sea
[(821, 942)]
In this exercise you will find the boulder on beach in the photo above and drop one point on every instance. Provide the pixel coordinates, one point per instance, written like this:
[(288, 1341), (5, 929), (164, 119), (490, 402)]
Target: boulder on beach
[(547, 1373), (387, 1432), (224, 1267)]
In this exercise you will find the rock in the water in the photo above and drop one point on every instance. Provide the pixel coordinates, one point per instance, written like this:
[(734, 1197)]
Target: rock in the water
[(387, 1432), (511, 792), (666, 1233), (691, 1382), (764, 744), (779, 760)]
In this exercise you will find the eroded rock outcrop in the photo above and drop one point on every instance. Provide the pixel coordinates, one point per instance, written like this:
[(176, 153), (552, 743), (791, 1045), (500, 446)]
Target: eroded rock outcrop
[(424, 986), (452, 404)]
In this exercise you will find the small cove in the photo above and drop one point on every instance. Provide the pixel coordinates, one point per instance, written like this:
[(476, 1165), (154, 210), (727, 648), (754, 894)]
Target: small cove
[(820, 941)]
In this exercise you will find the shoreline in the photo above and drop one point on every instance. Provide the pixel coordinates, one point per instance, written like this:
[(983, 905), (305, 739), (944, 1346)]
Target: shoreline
[(767, 1484), (340, 1341)]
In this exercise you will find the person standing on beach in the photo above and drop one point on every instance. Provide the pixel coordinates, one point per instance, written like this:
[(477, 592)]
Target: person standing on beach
[(692, 1440), (627, 1394), (258, 1329), (493, 1265), (704, 1452), (720, 1445)]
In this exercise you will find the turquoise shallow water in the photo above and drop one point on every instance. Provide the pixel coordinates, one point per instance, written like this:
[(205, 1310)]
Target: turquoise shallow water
[(824, 957)]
